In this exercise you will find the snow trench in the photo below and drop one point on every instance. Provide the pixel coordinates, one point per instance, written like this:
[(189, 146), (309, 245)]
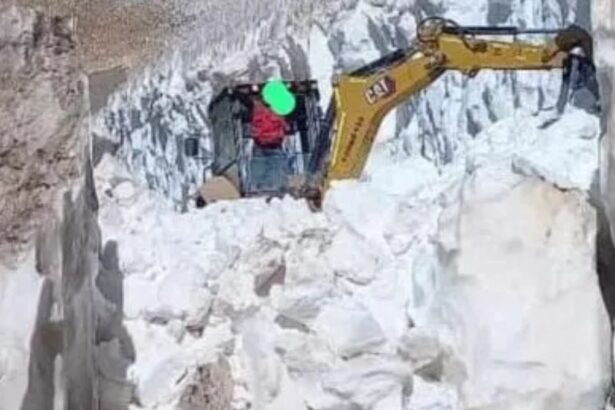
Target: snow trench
[(458, 273)]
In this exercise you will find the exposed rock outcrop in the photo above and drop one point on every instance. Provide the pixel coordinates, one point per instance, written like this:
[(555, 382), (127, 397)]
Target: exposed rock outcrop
[(59, 310), (41, 112)]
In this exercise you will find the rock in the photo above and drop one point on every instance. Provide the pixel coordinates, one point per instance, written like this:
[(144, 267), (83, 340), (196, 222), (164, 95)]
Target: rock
[(521, 296), (424, 352), (211, 388), (50, 244), (41, 106), (264, 281), (115, 391)]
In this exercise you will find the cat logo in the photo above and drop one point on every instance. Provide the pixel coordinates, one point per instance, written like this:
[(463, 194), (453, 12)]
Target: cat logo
[(382, 88)]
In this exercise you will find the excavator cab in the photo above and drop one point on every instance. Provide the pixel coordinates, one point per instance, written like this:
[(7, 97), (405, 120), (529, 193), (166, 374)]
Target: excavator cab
[(257, 151)]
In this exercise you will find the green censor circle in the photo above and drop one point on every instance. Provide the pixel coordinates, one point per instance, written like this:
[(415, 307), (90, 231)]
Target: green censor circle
[(278, 97)]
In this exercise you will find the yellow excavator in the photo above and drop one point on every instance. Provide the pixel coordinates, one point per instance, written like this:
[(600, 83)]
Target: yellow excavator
[(262, 150)]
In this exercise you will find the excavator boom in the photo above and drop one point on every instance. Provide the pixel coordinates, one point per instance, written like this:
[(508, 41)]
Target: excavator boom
[(361, 99)]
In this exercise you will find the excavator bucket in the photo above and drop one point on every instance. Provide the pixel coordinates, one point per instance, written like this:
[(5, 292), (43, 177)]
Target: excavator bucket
[(579, 85)]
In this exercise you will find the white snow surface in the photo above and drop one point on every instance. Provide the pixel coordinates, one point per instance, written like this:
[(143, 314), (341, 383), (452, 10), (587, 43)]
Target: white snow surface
[(418, 287)]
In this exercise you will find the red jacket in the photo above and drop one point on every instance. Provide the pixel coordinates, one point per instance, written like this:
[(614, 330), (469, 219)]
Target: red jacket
[(268, 129)]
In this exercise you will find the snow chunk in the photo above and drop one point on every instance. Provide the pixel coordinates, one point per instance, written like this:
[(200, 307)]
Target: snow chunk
[(565, 153), (371, 382), (433, 396), (353, 259), (507, 320), (160, 362), (352, 43), (350, 328), (561, 150)]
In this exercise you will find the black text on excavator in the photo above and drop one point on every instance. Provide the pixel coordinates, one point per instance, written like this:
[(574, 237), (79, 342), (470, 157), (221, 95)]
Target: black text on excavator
[(258, 152)]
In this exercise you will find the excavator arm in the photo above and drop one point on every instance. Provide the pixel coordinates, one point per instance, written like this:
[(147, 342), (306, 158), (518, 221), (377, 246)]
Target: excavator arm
[(361, 99)]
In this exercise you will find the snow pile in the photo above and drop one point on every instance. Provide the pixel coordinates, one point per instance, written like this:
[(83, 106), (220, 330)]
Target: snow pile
[(273, 291), (435, 288), (517, 263), (562, 150)]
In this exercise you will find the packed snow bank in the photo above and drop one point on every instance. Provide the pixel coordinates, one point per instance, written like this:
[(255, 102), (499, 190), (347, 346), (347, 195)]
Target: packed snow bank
[(562, 150), (414, 288), (520, 300)]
